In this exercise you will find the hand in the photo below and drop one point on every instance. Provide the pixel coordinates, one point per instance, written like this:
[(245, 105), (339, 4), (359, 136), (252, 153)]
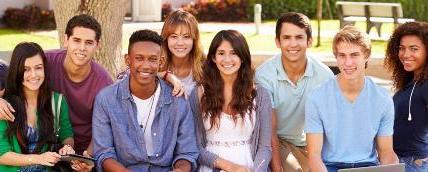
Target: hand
[(178, 87), (48, 158), (277, 168), (66, 149), (239, 168), (6, 110), (82, 166)]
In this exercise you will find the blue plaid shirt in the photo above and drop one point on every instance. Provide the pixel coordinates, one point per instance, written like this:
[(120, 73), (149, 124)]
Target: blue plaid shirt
[(117, 134)]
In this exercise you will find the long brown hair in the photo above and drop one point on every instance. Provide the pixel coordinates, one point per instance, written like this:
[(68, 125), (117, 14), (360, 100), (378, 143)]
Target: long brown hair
[(243, 92), (14, 94), (172, 22), (401, 77)]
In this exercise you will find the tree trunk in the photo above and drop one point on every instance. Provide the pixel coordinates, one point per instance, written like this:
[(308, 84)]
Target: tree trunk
[(110, 14), (319, 18)]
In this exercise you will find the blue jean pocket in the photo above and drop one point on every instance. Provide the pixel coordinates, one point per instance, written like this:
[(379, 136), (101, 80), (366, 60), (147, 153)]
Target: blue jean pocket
[(413, 165)]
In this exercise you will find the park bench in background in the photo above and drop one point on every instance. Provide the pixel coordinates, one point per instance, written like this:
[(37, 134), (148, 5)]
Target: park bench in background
[(373, 13)]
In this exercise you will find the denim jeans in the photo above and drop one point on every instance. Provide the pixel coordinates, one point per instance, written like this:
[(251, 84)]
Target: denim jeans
[(415, 164), (333, 167)]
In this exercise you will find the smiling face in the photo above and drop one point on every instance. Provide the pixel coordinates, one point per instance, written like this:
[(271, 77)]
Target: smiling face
[(143, 61), (81, 46), (351, 60), (226, 60), (412, 54), (34, 73), (293, 42), (180, 43)]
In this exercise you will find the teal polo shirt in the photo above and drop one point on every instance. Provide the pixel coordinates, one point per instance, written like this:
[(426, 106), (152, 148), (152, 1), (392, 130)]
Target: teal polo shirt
[(288, 100)]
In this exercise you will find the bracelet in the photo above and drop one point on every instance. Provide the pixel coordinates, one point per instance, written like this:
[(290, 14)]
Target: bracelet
[(166, 74)]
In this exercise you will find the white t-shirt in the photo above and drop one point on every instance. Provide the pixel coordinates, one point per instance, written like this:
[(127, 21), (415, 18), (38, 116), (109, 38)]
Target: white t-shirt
[(145, 115)]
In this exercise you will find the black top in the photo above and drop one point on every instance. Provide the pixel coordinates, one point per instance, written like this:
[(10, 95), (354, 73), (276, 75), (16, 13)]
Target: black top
[(411, 137)]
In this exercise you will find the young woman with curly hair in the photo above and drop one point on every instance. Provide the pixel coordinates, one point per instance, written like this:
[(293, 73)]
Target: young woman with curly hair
[(233, 114), (406, 57)]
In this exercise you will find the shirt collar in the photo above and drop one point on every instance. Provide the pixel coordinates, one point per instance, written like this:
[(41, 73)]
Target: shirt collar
[(165, 96), (309, 72)]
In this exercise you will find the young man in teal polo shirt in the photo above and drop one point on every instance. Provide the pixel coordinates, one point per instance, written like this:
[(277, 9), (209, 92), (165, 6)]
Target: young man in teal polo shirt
[(290, 77)]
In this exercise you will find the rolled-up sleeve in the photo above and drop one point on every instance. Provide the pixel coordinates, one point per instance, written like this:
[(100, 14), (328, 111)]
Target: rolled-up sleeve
[(102, 133), (186, 139)]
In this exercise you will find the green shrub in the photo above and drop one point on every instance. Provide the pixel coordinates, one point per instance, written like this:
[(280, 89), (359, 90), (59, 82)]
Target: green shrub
[(219, 10)]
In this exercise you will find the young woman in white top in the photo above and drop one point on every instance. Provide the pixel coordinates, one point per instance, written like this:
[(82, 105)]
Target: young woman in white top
[(232, 114)]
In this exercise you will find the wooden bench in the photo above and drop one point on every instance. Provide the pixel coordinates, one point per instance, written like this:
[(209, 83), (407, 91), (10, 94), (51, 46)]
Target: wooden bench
[(373, 13)]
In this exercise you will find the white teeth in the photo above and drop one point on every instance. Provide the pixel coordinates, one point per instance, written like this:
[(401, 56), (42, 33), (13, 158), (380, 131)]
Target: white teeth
[(408, 61), (293, 51), (80, 55), (179, 49), (33, 81), (144, 73), (349, 70), (227, 66)]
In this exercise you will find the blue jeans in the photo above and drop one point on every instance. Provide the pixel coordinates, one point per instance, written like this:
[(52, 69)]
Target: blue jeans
[(333, 167), (415, 164)]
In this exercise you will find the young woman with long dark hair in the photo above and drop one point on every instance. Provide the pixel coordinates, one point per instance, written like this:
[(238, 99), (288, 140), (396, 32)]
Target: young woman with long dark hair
[(233, 114), (41, 116)]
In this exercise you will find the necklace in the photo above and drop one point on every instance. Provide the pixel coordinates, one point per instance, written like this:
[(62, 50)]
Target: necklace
[(152, 99)]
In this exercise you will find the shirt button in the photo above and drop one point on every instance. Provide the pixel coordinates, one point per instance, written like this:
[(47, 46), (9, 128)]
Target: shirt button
[(154, 134), (157, 155)]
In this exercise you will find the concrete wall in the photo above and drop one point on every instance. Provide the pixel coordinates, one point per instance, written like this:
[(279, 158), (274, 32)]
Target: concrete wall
[(4, 4), (43, 4), (177, 3)]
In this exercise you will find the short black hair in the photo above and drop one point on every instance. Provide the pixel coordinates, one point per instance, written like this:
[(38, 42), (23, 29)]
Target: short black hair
[(297, 19), (85, 21), (144, 35), (3, 73)]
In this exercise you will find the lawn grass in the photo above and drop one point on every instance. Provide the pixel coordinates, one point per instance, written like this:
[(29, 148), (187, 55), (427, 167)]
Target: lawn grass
[(257, 43), (10, 38)]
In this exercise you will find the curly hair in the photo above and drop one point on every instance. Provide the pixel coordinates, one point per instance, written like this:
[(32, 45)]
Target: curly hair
[(243, 92), (401, 77)]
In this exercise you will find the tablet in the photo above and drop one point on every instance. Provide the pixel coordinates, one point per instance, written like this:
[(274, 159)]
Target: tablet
[(71, 157), (380, 168)]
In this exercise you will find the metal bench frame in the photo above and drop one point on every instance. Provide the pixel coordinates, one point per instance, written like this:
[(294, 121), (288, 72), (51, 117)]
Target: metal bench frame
[(395, 15)]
